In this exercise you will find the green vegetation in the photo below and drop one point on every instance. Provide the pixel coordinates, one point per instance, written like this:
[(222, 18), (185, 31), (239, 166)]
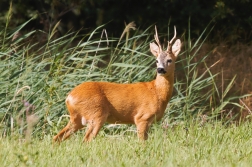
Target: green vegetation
[(232, 19), (208, 145), (36, 78)]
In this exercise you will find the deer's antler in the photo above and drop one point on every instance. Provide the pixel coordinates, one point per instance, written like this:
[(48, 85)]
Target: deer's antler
[(170, 42), (157, 40)]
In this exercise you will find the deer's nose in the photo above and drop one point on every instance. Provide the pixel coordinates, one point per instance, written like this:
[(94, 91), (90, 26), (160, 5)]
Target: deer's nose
[(161, 70)]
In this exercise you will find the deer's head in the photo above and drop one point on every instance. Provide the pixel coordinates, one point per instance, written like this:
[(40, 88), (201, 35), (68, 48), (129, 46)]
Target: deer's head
[(165, 59)]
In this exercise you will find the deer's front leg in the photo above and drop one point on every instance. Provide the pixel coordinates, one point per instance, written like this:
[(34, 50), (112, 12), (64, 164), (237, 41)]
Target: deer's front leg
[(142, 128)]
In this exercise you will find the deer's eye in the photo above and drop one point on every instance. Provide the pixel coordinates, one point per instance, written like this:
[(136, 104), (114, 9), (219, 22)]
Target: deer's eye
[(156, 61), (169, 60)]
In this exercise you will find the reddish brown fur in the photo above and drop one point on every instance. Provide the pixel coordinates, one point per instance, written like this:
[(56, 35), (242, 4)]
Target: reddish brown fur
[(95, 103)]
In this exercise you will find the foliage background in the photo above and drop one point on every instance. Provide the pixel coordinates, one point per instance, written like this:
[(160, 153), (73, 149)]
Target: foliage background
[(232, 18)]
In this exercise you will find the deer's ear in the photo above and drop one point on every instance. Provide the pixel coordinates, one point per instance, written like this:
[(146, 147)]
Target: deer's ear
[(176, 47), (154, 49)]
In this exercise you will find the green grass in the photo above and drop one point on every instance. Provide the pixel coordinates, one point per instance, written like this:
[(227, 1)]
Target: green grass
[(210, 145)]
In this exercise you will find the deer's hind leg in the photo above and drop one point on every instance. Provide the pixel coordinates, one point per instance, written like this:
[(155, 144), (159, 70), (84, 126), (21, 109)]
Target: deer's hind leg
[(94, 127), (73, 125)]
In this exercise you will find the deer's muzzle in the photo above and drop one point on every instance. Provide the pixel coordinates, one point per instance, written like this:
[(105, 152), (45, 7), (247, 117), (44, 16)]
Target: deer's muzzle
[(161, 70)]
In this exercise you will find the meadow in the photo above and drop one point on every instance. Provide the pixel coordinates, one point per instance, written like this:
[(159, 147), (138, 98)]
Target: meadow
[(210, 145), (38, 69)]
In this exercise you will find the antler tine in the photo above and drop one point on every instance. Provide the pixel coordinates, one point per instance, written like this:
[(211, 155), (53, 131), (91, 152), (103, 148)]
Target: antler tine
[(175, 34), (170, 42), (157, 39)]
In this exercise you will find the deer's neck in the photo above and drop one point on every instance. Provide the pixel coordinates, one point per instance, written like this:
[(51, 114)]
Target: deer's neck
[(164, 88)]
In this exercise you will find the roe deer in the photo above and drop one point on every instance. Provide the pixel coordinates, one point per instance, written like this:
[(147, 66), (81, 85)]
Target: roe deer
[(94, 103)]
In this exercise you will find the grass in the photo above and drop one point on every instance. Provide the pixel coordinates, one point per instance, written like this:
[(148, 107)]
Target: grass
[(210, 145)]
